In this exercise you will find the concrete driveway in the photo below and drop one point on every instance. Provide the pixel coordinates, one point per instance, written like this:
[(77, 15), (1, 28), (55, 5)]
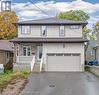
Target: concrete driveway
[(62, 84)]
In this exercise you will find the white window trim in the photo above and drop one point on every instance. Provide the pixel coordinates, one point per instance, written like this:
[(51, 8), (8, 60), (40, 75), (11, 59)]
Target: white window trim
[(74, 26), (43, 31), (26, 50), (62, 35), (23, 32)]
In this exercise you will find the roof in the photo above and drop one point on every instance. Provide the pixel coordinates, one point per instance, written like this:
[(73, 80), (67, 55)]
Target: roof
[(6, 45), (53, 20), (49, 40)]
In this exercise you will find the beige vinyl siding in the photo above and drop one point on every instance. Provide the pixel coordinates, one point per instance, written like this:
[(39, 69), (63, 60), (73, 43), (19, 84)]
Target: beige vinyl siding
[(63, 48), (52, 31)]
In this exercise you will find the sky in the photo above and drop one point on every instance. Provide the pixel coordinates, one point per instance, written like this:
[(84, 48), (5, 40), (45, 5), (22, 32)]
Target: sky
[(27, 10)]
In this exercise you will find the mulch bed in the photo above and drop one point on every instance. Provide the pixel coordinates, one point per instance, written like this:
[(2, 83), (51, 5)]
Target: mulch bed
[(14, 87)]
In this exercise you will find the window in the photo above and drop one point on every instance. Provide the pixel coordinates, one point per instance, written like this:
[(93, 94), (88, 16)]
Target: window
[(74, 26), (17, 51), (7, 55), (44, 30), (26, 51), (25, 29), (39, 52), (11, 55), (62, 31)]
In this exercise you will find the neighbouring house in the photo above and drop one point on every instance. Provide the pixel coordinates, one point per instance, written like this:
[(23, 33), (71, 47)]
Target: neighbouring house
[(49, 44), (98, 43), (92, 50), (6, 53)]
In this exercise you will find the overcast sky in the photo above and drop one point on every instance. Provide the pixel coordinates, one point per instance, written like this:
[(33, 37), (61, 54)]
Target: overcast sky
[(26, 10)]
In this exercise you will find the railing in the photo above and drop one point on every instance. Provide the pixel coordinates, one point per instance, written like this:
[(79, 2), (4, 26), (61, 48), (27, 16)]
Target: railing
[(41, 64), (32, 63)]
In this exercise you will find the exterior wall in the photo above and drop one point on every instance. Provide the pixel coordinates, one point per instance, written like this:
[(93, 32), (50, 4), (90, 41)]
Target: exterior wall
[(73, 32), (24, 59), (98, 44), (97, 54), (52, 31), (3, 57), (63, 48), (89, 55), (35, 32)]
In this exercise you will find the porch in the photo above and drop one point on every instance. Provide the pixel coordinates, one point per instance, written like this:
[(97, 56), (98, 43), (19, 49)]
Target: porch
[(28, 56)]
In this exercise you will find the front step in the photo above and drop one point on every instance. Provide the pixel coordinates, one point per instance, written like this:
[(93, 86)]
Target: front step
[(36, 68)]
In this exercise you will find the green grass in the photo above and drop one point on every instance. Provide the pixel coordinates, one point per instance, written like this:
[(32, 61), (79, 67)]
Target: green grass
[(5, 78), (87, 68)]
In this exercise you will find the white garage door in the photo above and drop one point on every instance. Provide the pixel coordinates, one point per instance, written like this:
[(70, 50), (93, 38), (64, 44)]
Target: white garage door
[(63, 62)]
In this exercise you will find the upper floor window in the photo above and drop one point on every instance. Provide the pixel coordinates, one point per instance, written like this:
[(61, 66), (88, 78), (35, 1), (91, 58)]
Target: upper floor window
[(62, 31), (25, 29), (74, 26), (44, 30)]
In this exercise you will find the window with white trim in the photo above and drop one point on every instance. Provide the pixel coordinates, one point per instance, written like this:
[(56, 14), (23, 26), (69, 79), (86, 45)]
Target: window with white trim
[(62, 31), (74, 27), (26, 50), (44, 31), (25, 29)]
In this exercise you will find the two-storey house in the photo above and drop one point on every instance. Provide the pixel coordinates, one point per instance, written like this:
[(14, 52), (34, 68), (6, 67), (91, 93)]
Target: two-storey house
[(50, 44)]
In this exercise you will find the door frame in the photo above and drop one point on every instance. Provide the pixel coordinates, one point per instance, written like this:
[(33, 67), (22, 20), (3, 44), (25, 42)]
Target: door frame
[(38, 52)]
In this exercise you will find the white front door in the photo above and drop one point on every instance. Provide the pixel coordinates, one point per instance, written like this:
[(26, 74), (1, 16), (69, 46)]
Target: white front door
[(63, 62)]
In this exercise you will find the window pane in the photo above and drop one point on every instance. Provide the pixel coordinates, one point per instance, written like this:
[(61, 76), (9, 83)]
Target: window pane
[(25, 30), (44, 30), (40, 52), (24, 51), (62, 31), (28, 51), (74, 26)]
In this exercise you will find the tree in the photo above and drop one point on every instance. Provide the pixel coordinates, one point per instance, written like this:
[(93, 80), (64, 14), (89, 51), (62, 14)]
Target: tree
[(8, 28), (76, 15)]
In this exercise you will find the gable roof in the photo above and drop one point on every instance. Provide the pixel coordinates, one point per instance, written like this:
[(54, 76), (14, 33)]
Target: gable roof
[(53, 20), (5, 45)]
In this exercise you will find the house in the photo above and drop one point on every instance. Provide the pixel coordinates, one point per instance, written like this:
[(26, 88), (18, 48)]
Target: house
[(91, 53), (50, 44), (98, 42), (6, 52)]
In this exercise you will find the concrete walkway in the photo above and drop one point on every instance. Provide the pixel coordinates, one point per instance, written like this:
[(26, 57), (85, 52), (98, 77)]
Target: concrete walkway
[(62, 84)]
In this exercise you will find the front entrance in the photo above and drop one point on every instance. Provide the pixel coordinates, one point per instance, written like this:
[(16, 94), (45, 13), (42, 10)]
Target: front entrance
[(39, 53)]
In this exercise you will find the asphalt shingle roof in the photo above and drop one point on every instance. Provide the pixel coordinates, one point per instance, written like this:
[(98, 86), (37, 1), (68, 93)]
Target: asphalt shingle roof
[(52, 20), (6, 45)]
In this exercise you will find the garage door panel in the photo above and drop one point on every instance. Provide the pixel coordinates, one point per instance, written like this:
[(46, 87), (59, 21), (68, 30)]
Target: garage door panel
[(63, 62)]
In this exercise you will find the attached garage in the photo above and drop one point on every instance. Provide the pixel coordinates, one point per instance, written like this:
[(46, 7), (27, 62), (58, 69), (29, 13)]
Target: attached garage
[(64, 62)]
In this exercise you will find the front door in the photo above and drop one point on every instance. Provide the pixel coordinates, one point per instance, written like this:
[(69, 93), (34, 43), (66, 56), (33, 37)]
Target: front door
[(39, 53)]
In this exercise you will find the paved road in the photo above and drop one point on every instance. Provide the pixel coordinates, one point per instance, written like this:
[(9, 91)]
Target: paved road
[(62, 84)]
